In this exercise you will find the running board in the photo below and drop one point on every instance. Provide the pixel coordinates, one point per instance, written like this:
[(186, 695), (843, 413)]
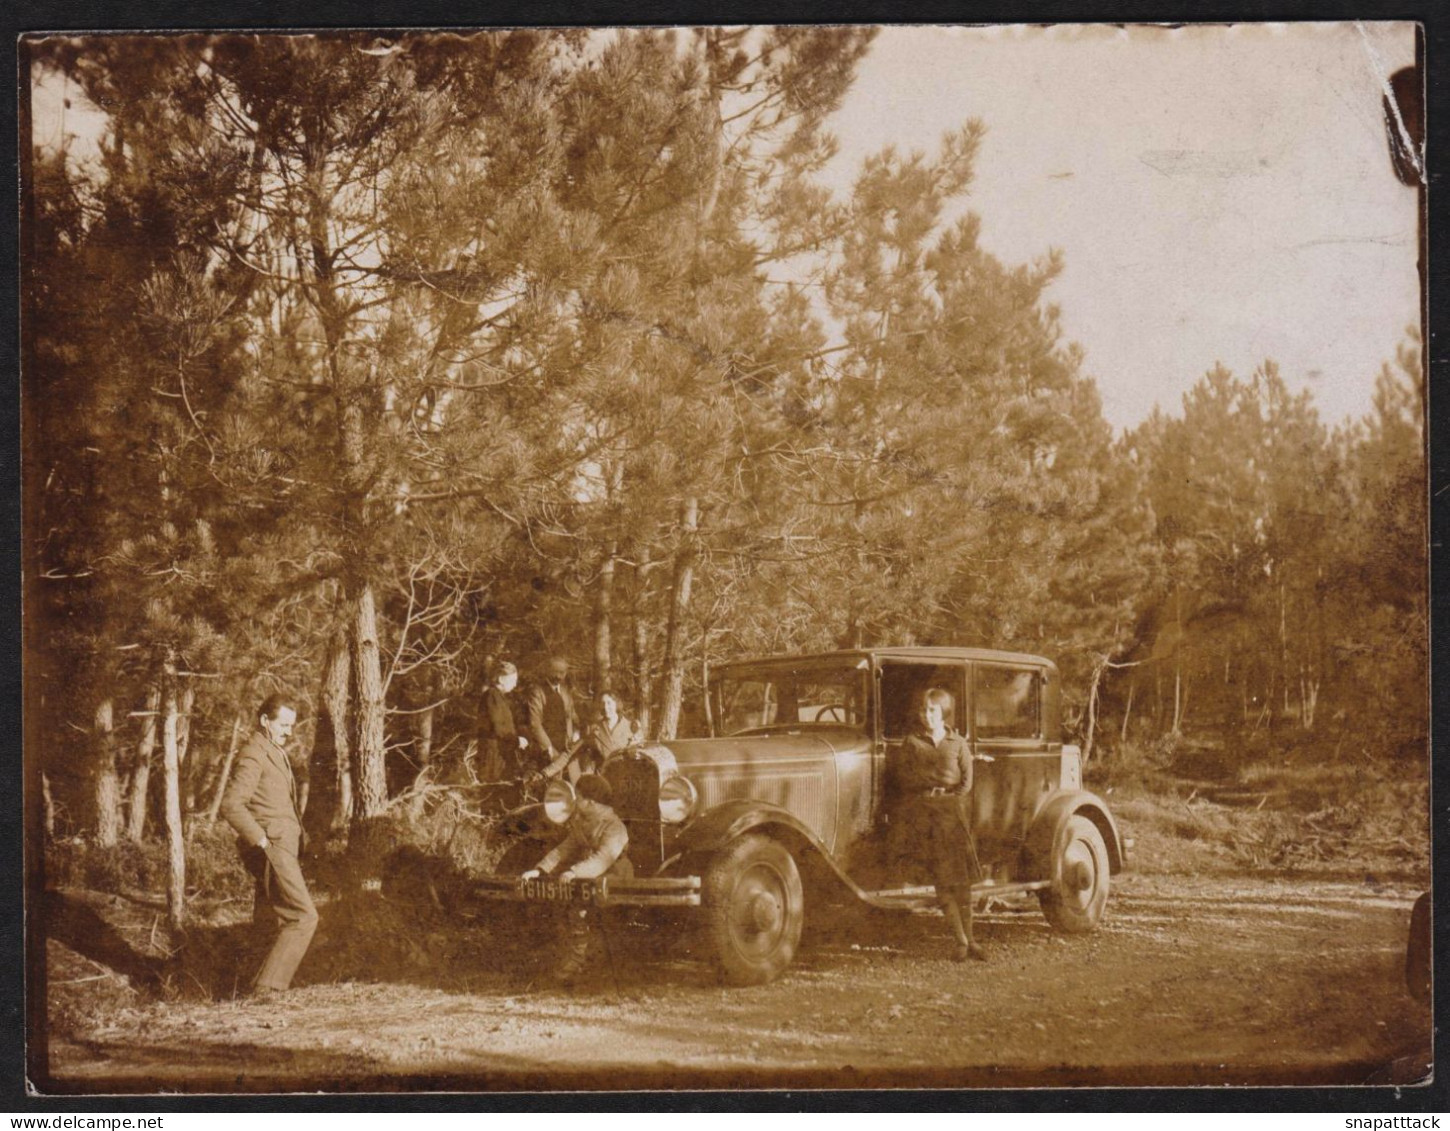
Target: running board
[(910, 898)]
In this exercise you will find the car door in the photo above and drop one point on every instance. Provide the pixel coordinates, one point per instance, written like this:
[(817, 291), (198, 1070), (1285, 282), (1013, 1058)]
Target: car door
[(1008, 726), (875, 860)]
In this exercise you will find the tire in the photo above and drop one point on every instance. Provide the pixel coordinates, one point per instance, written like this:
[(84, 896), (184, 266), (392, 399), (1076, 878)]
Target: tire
[(1075, 902), (754, 908)]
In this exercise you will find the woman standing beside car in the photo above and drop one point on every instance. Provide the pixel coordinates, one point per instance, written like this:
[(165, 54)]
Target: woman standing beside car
[(936, 778)]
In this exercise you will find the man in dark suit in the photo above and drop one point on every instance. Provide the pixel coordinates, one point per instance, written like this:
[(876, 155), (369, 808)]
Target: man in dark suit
[(553, 728), (261, 804)]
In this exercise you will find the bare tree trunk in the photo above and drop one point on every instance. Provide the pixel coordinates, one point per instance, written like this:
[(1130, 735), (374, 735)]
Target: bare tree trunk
[(339, 699), (108, 781), (221, 782), (705, 687), (372, 781), (1308, 698), (674, 663), (603, 629), (183, 748), (1092, 710), (49, 802), (1127, 714), (331, 760), (171, 769), (1178, 668), (423, 735), (141, 775), (643, 681), (1284, 642)]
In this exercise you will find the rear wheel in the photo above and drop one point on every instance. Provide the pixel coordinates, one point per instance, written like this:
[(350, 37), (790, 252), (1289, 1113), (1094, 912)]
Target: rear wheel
[(754, 907), (1075, 902)]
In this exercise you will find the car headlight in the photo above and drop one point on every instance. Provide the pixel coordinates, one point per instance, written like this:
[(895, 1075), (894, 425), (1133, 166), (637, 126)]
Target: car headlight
[(678, 798), (558, 801)]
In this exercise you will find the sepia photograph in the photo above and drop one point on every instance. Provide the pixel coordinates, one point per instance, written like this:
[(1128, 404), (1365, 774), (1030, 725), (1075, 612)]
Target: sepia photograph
[(833, 556)]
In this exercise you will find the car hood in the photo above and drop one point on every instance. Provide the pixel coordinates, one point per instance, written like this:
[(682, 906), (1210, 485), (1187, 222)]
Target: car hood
[(769, 744)]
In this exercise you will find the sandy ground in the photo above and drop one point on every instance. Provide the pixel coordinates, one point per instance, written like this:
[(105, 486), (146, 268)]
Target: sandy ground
[(1188, 981)]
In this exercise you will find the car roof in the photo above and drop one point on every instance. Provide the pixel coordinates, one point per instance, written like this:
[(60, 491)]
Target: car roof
[(901, 653)]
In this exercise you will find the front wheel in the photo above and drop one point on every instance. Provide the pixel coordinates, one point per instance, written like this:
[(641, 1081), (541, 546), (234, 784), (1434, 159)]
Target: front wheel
[(1075, 902), (754, 908)]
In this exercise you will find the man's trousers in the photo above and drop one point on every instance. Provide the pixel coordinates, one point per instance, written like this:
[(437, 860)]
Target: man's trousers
[(283, 903)]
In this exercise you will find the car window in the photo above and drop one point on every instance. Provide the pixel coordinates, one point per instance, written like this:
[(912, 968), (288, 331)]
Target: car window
[(1009, 702), (902, 688), (789, 696)]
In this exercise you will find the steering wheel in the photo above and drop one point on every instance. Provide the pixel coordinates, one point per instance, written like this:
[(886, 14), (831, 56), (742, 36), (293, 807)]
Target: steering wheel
[(838, 709)]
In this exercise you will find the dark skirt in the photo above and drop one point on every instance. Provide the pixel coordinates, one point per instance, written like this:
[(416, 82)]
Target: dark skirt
[(941, 836)]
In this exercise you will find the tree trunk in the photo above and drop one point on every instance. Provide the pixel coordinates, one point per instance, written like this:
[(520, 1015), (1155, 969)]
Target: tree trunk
[(674, 663), (221, 782), (49, 806), (141, 775), (330, 763), (1308, 699), (1178, 666), (171, 768), (1092, 710), (108, 781), (372, 781), (643, 681), (603, 629), (1127, 714), (423, 739), (183, 748)]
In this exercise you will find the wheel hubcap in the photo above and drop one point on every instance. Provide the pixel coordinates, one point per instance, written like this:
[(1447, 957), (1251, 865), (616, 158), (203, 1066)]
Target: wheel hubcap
[(758, 911), (765, 912), (1079, 872)]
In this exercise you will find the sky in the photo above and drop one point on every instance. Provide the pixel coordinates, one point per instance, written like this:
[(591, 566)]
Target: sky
[(1220, 194)]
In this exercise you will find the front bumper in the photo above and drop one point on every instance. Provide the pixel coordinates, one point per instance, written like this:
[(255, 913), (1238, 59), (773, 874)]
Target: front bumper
[(660, 891)]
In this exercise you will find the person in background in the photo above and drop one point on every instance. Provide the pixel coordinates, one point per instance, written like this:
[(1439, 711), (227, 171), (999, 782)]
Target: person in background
[(261, 805), (594, 845), (500, 745), (936, 777), (609, 732), (553, 727)]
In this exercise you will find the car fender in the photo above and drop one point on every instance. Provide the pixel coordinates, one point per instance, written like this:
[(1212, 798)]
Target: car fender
[(730, 820), (1041, 850)]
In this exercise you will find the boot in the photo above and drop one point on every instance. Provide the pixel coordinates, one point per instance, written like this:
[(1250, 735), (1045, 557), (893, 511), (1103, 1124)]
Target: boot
[(959, 917), (574, 949), (974, 952)]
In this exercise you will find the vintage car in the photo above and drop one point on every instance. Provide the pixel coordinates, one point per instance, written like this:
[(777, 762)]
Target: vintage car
[(789, 810)]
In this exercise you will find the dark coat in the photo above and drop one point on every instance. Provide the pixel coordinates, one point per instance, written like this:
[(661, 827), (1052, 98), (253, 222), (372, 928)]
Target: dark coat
[(938, 828), (552, 721), (498, 737)]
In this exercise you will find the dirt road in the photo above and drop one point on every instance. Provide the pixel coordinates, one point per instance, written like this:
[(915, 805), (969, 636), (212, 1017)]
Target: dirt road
[(1210, 980)]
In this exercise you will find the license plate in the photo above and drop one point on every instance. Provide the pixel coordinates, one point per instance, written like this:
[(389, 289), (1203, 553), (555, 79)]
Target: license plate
[(543, 890)]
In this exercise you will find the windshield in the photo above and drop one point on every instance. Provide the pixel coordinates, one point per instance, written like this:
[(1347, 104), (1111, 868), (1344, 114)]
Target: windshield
[(785, 694)]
